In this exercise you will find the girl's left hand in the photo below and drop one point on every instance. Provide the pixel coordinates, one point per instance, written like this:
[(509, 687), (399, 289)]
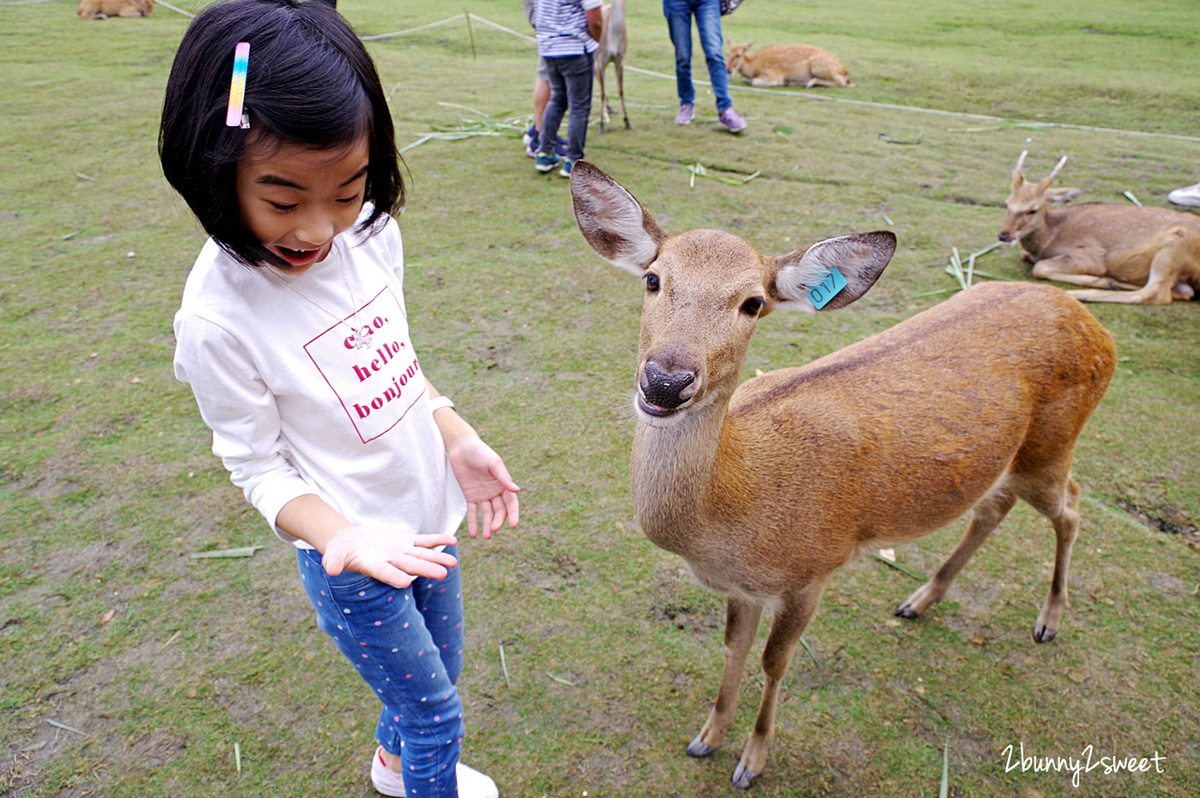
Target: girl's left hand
[(491, 494)]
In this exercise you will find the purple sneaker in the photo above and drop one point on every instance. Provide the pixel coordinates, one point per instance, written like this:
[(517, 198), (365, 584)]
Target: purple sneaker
[(686, 112), (730, 119)]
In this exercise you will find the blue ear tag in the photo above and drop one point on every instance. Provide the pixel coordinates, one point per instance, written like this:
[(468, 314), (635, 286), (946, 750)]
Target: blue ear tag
[(827, 289)]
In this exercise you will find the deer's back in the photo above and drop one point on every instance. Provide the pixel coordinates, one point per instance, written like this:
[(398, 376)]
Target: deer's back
[(782, 56), (899, 434)]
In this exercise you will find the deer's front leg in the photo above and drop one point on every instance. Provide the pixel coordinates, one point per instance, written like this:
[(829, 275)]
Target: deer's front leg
[(741, 627), (789, 623), (1085, 268)]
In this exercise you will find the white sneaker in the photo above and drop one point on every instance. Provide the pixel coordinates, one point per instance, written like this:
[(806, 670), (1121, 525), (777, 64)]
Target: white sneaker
[(471, 783), (1186, 196), (386, 781)]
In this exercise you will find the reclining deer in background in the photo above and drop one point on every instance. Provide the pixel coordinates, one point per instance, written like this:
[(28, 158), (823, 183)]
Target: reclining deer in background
[(766, 488), (1122, 253), (614, 41), (781, 64), (103, 9)]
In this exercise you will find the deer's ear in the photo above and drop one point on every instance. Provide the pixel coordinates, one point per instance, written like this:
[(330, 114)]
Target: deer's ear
[(831, 274), (1059, 196), (612, 221)]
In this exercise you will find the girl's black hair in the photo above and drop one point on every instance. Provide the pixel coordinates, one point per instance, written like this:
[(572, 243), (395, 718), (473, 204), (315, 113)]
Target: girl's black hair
[(309, 81)]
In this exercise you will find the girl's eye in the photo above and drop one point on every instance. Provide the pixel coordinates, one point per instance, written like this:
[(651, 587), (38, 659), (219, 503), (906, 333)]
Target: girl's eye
[(279, 206), (349, 200)]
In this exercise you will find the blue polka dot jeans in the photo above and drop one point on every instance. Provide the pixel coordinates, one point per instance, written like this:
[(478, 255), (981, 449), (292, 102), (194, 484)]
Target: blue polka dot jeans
[(407, 644)]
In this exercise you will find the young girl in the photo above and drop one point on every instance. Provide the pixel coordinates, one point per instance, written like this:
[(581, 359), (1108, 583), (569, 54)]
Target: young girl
[(294, 336)]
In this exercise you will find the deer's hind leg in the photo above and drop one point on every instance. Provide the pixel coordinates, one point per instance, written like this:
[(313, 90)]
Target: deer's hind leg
[(619, 66), (987, 515), (1174, 247), (1058, 500)]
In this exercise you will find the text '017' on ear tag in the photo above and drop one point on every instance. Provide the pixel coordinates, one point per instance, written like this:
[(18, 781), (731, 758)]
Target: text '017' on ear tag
[(827, 289)]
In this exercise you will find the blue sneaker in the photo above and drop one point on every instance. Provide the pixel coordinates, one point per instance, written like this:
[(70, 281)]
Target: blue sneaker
[(546, 162), (566, 167), (530, 140)]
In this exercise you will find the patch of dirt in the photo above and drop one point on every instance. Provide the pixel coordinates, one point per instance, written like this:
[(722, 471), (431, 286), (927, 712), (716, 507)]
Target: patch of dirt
[(1162, 517)]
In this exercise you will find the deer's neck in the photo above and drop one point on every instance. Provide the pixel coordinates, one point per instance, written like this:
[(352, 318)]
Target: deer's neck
[(1041, 238), (675, 472)]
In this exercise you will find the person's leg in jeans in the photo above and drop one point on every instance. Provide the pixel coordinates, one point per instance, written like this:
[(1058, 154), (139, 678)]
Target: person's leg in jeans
[(708, 26), (578, 72), (407, 645), (556, 108), (679, 26)]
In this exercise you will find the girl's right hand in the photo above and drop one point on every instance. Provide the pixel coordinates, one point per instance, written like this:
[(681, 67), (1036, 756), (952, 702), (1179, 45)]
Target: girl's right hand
[(391, 555)]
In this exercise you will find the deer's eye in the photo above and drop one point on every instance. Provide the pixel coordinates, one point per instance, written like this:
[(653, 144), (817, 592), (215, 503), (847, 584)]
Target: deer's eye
[(651, 283), (752, 306)]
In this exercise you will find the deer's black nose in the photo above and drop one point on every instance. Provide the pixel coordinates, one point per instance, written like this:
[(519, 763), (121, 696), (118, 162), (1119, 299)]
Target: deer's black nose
[(665, 389)]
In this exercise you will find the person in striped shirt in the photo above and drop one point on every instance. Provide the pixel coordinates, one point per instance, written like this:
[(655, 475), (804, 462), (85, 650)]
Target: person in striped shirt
[(566, 37)]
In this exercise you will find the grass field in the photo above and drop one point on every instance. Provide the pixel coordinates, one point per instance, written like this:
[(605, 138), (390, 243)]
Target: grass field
[(129, 667)]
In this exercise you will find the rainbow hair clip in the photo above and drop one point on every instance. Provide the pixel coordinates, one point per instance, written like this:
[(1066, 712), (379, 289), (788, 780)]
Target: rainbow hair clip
[(234, 116)]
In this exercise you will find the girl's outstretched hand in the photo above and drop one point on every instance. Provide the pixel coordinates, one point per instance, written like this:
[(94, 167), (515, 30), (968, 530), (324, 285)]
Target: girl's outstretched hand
[(491, 493), (389, 554)]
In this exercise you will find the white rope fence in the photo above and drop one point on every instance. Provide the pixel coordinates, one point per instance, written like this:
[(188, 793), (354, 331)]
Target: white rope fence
[(992, 120), (467, 15)]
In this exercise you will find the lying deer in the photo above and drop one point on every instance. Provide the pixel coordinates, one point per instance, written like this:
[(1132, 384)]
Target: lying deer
[(781, 64), (614, 41), (1122, 253), (103, 9), (767, 487)]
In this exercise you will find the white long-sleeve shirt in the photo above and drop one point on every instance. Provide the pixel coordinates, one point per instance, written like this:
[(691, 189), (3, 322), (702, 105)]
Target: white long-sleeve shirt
[(295, 408)]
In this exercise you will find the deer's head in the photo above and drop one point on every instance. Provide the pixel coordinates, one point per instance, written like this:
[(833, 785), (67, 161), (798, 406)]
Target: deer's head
[(737, 54), (705, 291), (1025, 208)]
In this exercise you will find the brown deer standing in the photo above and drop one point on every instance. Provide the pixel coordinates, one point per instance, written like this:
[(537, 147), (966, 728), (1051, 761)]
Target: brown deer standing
[(1122, 253), (781, 64), (766, 488), (614, 41)]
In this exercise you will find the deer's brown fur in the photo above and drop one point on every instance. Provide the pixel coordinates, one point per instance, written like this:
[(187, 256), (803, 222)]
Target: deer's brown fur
[(103, 9), (781, 64)]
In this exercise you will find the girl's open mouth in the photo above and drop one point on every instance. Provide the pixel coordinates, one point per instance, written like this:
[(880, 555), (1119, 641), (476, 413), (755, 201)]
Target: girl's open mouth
[(298, 257)]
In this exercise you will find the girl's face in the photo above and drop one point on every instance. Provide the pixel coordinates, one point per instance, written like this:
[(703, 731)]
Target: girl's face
[(295, 200)]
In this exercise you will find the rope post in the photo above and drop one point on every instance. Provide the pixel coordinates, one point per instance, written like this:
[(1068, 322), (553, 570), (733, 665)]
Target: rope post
[(470, 32)]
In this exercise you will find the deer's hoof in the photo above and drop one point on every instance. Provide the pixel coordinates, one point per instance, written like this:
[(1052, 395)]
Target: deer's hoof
[(1043, 635), (698, 748), (742, 777), (907, 611)]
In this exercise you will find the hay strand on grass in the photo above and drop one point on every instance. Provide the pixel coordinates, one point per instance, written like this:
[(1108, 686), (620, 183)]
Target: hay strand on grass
[(944, 792), (812, 654), (699, 170), (504, 667), (244, 551), (898, 566)]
